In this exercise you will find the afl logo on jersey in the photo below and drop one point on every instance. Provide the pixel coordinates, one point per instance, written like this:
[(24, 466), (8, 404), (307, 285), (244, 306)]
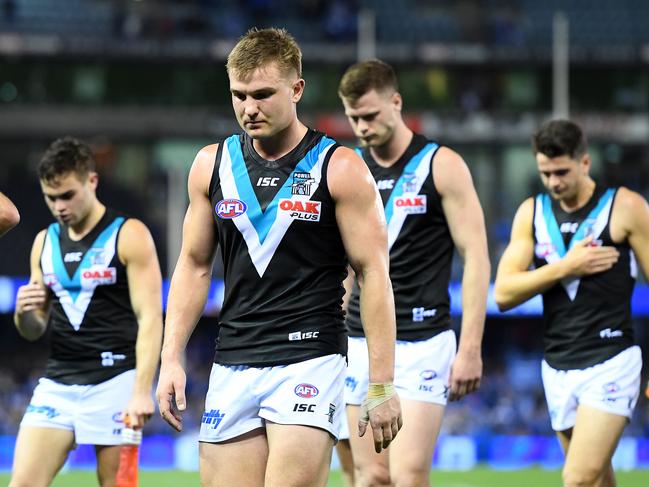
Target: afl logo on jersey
[(544, 249), (306, 391), (230, 208)]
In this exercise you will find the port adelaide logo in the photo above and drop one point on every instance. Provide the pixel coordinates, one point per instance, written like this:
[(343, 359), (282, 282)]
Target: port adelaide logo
[(230, 208)]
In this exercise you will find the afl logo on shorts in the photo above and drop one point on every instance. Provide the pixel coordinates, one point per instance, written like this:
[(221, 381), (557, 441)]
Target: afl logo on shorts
[(306, 391), (230, 208)]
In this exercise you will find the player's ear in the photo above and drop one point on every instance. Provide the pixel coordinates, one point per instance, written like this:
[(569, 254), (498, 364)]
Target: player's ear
[(298, 90), (397, 101)]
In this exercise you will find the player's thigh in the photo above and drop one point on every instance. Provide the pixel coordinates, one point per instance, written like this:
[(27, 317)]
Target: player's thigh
[(39, 455), (593, 440), (411, 452), (370, 468), (240, 461), (107, 464), (298, 455)]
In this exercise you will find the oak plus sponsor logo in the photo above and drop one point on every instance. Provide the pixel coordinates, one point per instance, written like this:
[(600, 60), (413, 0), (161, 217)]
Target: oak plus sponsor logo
[(306, 391), (230, 208), (98, 277), (411, 205), (301, 210)]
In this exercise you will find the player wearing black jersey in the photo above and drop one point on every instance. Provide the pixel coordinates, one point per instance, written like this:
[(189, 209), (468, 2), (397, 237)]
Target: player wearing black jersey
[(585, 242), (9, 216), (285, 205), (431, 208), (95, 282)]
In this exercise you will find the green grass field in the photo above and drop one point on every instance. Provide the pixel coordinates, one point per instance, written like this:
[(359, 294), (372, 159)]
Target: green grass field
[(475, 478)]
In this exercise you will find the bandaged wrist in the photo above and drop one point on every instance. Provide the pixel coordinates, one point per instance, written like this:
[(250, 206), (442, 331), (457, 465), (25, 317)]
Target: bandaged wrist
[(377, 394)]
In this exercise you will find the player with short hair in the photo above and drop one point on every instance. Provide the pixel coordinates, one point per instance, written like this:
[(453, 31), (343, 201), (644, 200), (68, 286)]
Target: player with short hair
[(431, 208), (95, 283), (584, 242), (287, 206)]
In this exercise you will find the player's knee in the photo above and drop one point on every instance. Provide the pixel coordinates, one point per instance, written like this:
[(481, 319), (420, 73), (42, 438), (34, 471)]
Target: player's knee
[(412, 477), (582, 476), (375, 475)]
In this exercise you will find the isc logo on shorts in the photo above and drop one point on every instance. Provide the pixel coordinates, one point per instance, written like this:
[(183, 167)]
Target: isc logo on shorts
[(301, 210), (99, 277), (230, 208), (306, 391), (411, 205)]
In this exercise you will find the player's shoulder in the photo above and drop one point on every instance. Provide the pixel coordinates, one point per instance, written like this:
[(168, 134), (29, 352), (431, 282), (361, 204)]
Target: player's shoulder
[(627, 199), (347, 172)]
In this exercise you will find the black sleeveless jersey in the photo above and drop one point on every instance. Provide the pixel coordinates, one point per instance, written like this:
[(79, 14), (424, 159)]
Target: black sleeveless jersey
[(421, 248), (93, 327), (587, 319), (283, 256)]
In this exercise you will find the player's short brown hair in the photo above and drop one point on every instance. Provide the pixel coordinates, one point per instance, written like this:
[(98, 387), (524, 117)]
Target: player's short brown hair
[(366, 76), (63, 156), (260, 47)]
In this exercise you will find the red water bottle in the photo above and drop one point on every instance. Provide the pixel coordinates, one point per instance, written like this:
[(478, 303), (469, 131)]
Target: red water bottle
[(128, 456)]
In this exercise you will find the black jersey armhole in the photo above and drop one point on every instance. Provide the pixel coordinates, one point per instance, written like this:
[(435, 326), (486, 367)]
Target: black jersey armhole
[(325, 168), (214, 180)]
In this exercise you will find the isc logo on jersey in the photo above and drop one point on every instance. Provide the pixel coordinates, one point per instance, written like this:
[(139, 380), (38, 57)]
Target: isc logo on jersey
[(411, 205), (301, 210), (230, 208), (99, 277)]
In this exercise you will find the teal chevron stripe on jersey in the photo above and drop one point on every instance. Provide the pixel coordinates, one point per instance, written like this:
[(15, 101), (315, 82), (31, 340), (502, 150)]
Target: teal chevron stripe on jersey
[(418, 169), (263, 230)]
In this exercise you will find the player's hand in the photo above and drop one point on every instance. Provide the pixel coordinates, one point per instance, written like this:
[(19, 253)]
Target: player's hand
[(30, 297), (139, 410), (466, 373), (171, 393), (384, 419), (585, 259)]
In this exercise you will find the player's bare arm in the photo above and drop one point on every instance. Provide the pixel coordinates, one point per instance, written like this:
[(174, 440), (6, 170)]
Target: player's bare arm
[(360, 218), (137, 252), (189, 287), (466, 223), (632, 212), (516, 283), (32, 299), (9, 216)]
